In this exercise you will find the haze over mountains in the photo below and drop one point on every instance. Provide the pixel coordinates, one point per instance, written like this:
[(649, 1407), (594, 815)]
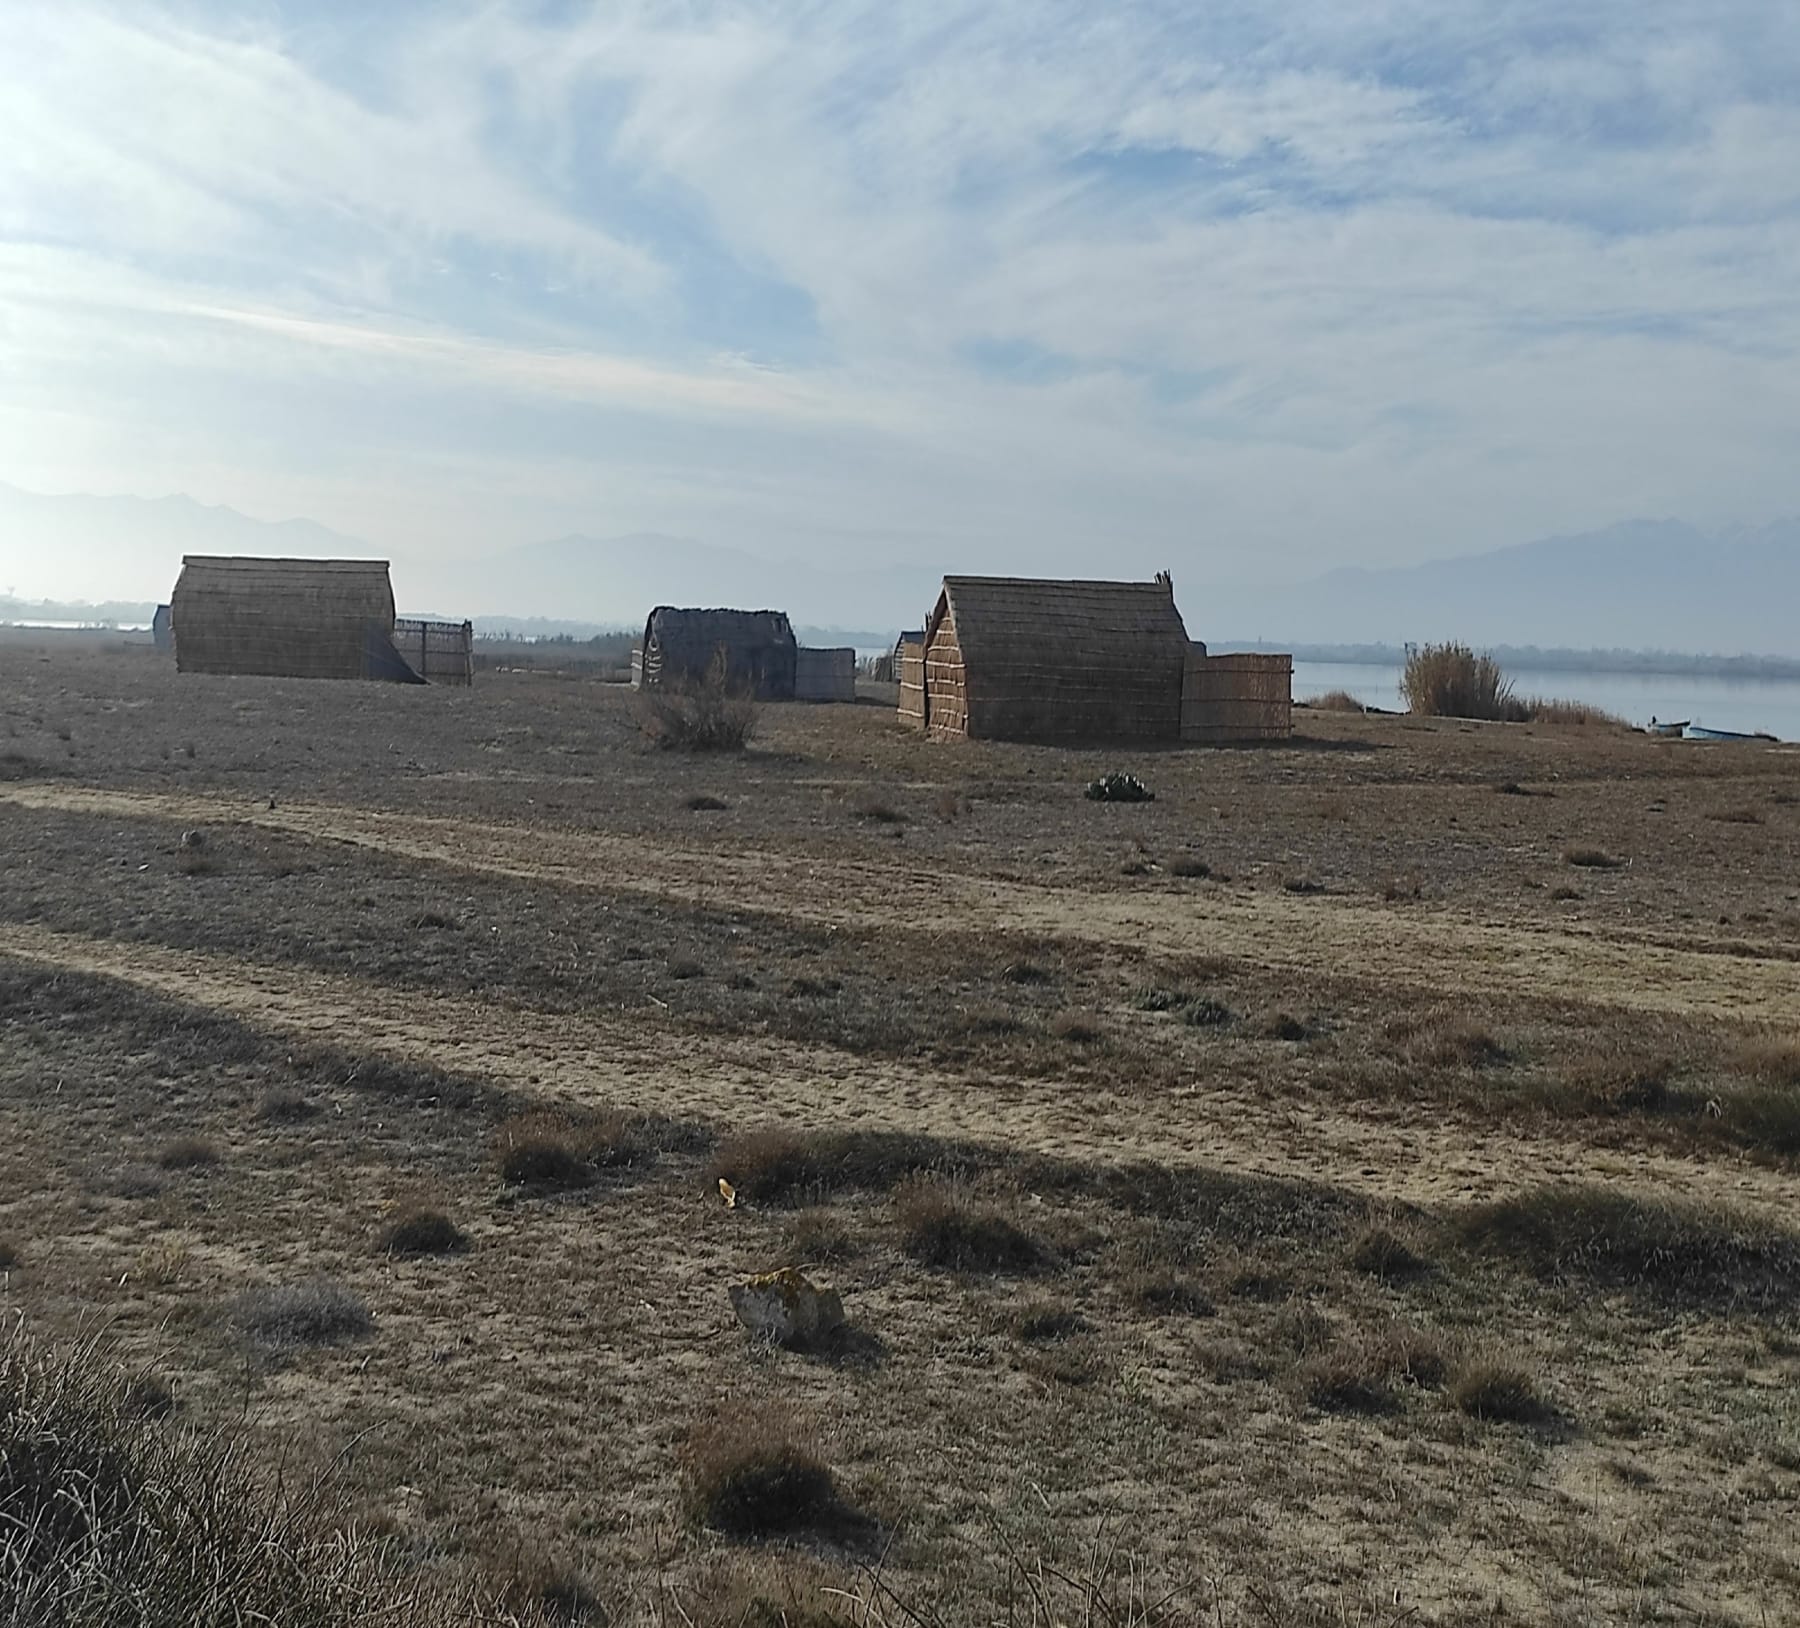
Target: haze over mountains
[(1641, 584)]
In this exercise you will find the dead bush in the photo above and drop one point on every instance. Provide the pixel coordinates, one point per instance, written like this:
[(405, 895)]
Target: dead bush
[(1336, 701), (944, 1226), (1045, 1322), (1187, 866), (284, 1105), (1772, 1061), (1442, 1038), (1078, 1028), (868, 806), (776, 1165), (709, 714), (1164, 1293), (1347, 1378), (705, 803), (552, 1592)]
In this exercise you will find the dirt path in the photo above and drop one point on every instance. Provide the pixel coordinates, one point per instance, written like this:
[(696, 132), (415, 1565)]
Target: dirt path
[(737, 1080), (1413, 947)]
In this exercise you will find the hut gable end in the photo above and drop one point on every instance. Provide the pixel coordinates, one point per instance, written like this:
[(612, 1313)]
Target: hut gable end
[(1011, 658)]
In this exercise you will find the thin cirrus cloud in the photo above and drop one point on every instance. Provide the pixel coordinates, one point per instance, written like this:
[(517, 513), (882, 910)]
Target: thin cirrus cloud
[(1266, 287)]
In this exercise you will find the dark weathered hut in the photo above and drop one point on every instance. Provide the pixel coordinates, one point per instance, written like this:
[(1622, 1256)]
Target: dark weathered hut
[(825, 674), (682, 646), (286, 618), (439, 652), (1011, 658)]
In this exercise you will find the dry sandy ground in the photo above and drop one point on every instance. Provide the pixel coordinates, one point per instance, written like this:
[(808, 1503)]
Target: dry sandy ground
[(534, 1394)]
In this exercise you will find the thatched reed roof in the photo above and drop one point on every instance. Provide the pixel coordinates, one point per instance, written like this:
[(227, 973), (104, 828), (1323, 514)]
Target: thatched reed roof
[(682, 645), (1050, 660), (286, 618)]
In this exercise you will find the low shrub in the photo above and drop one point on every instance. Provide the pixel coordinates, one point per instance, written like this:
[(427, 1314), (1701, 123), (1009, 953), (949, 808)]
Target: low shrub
[(551, 1592), (751, 1473), (1451, 681), (1336, 701), (1187, 866), (9, 1256), (1156, 998), (868, 806), (422, 1231), (187, 1153), (1043, 1323), (284, 1105), (549, 1149), (776, 1165), (944, 1226), (1164, 1293), (1593, 859), (1203, 1012), (1497, 1390), (1348, 1378), (705, 803), (1672, 1249), (1383, 1253), (1078, 1028), (1577, 714), (818, 1236)]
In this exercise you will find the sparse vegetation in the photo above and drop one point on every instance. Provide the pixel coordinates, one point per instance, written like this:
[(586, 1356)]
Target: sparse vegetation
[(550, 1149), (1574, 714), (187, 1153), (705, 803), (1452, 681), (1186, 865), (944, 1225), (1384, 1253), (819, 1236), (1336, 701), (1593, 859)]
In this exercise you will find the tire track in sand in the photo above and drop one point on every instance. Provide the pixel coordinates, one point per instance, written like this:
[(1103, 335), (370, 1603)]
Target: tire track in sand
[(740, 1081), (1420, 948)]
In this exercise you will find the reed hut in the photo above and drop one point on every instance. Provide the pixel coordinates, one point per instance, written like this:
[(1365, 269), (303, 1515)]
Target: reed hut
[(286, 618), (682, 646), (909, 674), (1011, 658), (825, 675), (439, 652)]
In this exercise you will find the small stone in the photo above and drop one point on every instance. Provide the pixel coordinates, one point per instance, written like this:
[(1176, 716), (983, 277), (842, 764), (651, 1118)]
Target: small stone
[(784, 1307)]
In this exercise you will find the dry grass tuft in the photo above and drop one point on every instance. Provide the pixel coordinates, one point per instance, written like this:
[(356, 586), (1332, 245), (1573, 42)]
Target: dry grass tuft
[(776, 1165), (1735, 816), (187, 1153), (1165, 1293), (1593, 859), (9, 1256), (705, 803), (1576, 714), (110, 1520), (753, 1474), (818, 1236), (550, 1149), (1496, 1390), (1441, 1038), (285, 1105), (1336, 701), (551, 1592), (1188, 866), (284, 1317), (1452, 681), (1383, 1253), (1045, 1322), (868, 806), (943, 1225), (1203, 1012), (1078, 1028), (421, 1231), (1773, 1061)]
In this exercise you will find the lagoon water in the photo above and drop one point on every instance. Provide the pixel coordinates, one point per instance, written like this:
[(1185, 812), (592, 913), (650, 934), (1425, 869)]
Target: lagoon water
[(1746, 705)]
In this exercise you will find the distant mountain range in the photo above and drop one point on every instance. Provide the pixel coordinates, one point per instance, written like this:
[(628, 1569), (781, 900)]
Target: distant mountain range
[(1642, 584)]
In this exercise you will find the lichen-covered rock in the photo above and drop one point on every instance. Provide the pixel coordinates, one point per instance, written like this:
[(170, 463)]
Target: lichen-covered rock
[(784, 1307)]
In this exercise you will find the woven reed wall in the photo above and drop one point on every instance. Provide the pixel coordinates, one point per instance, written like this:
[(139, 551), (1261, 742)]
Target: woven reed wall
[(1237, 697), (825, 675), (946, 694), (680, 647), (909, 668), (282, 618), (1055, 661), (439, 652)]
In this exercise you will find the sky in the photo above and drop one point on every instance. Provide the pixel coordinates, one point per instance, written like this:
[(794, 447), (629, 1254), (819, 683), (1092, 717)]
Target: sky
[(1250, 289)]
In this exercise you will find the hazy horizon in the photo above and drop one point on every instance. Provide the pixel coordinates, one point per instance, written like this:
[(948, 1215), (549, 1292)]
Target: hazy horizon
[(1249, 295)]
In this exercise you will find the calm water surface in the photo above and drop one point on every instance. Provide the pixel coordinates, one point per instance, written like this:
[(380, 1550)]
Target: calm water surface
[(1739, 704)]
